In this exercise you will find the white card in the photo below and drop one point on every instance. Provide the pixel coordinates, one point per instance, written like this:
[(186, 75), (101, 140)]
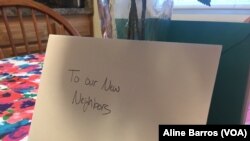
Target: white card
[(121, 90)]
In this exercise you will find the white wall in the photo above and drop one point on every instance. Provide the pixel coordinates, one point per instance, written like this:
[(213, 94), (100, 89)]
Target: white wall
[(210, 17), (96, 22)]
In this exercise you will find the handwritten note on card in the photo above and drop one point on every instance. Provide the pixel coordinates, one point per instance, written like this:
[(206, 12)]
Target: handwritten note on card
[(88, 102), (99, 89)]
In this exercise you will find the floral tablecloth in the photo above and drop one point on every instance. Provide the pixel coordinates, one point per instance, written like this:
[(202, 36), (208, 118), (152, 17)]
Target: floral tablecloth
[(19, 80)]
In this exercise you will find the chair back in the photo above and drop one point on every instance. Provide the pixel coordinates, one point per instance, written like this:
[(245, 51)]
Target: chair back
[(25, 26)]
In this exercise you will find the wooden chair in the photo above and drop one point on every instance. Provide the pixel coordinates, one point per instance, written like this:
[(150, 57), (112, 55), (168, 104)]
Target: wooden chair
[(25, 26)]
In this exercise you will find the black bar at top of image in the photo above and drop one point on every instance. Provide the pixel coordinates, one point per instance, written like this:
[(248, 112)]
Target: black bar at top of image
[(211, 132)]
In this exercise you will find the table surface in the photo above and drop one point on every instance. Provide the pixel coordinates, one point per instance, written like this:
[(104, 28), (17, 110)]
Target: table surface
[(19, 82)]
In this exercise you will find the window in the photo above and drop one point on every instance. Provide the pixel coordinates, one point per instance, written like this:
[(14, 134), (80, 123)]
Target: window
[(228, 7), (215, 4)]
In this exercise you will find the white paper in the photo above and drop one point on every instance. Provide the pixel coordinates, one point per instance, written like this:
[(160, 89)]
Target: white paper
[(147, 84), (246, 109)]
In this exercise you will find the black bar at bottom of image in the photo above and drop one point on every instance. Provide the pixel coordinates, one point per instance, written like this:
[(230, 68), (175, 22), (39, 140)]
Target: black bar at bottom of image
[(214, 132)]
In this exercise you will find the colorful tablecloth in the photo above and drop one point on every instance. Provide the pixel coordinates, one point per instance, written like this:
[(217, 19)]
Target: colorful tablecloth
[(19, 80)]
